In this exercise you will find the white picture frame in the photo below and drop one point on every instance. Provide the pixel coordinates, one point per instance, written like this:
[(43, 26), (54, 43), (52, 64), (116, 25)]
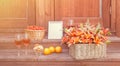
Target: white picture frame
[(55, 29)]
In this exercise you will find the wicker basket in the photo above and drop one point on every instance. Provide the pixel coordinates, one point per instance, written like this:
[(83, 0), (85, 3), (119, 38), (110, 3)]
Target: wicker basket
[(87, 51), (35, 34)]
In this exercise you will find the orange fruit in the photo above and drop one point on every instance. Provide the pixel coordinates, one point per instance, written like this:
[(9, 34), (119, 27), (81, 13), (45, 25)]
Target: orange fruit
[(47, 51), (52, 49), (58, 49)]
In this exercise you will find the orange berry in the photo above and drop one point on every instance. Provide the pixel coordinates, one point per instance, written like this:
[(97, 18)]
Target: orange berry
[(58, 49)]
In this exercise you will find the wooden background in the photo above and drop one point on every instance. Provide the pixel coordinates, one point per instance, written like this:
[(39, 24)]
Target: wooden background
[(77, 10), (15, 15)]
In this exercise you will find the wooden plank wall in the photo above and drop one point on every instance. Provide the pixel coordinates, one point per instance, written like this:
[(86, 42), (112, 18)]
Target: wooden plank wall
[(78, 10), (44, 12), (49, 10), (116, 16), (106, 14), (113, 15), (15, 15)]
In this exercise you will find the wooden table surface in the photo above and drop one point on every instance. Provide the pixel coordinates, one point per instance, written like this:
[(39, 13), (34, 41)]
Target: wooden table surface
[(11, 55), (8, 56)]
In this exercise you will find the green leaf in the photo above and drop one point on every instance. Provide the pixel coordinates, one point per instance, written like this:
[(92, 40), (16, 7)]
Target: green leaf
[(108, 42), (98, 26), (109, 33)]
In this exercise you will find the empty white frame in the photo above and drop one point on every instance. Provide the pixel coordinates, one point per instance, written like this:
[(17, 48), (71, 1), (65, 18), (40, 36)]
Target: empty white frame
[(55, 29)]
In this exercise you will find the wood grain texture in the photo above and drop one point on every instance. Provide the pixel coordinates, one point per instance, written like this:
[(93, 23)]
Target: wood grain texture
[(106, 14), (13, 9), (16, 14), (44, 12), (117, 17), (76, 8), (8, 55), (40, 12), (113, 15), (80, 10), (11, 55), (9, 58), (60, 63)]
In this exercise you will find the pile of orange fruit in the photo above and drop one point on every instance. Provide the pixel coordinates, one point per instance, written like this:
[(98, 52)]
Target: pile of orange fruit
[(52, 49)]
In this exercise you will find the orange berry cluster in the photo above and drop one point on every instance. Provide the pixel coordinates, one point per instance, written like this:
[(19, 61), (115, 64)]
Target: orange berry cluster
[(35, 28)]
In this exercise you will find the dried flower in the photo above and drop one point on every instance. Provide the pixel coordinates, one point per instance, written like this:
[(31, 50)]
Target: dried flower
[(85, 34)]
